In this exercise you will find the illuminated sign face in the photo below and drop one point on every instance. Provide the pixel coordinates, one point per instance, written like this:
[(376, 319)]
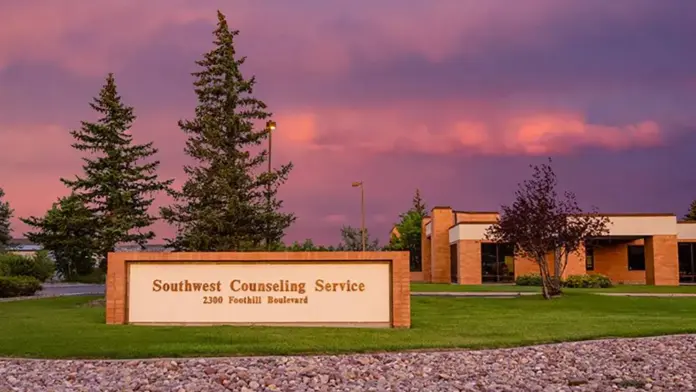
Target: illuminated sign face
[(312, 293)]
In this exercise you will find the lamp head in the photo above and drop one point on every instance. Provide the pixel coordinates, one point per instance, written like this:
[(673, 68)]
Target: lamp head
[(270, 125), (357, 184)]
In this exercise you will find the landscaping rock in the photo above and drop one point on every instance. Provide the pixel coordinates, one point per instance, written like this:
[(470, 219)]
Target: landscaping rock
[(656, 364)]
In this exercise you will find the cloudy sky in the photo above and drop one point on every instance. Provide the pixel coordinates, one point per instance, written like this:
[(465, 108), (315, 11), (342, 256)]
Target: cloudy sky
[(454, 97)]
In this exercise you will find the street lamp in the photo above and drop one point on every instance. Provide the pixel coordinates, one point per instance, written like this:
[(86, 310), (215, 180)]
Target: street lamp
[(270, 127), (362, 209)]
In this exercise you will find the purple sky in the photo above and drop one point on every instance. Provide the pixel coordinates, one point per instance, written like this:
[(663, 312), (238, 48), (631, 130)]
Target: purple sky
[(455, 97)]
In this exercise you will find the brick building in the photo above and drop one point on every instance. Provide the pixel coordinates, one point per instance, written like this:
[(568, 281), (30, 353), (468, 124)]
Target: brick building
[(639, 249)]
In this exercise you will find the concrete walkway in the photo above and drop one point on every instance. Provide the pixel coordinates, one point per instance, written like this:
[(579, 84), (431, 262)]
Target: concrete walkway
[(473, 294), (515, 294), (648, 294)]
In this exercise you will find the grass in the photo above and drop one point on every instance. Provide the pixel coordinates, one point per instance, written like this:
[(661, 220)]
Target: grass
[(66, 328), (430, 287)]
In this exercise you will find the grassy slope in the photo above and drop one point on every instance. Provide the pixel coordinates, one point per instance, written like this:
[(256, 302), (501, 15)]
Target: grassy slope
[(65, 328)]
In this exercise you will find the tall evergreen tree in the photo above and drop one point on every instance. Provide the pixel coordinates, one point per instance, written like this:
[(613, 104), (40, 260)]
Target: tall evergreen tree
[(418, 204), (691, 215), (120, 178), (5, 216), (228, 201)]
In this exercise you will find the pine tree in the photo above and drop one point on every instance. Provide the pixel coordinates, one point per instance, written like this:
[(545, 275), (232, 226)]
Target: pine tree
[(5, 215), (228, 201), (66, 231), (419, 204), (117, 186), (691, 215)]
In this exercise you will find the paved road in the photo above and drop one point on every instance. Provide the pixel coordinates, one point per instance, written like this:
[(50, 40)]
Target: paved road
[(52, 289)]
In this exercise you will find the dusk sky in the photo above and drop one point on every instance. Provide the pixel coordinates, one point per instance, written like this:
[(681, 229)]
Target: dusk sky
[(454, 97)]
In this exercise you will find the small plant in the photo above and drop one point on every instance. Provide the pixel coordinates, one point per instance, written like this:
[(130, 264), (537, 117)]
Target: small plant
[(18, 286), (528, 280)]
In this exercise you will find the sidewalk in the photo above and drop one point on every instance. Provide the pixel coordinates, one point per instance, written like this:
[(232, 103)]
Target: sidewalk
[(516, 294), (476, 294)]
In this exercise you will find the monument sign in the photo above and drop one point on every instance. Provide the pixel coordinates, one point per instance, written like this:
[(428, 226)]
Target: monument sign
[(361, 289)]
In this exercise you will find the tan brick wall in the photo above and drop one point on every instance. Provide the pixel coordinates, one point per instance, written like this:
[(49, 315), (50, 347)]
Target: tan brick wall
[(442, 220), (524, 266), (575, 266), (576, 263), (417, 276), (469, 262), (117, 276), (426, 252), (662, 260), (612, 261)]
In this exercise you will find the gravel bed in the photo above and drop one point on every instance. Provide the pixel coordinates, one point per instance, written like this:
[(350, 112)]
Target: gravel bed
[(656, 364)]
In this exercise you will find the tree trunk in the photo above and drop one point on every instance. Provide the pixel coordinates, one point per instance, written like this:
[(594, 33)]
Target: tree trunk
[(555, 288), (545, 277)]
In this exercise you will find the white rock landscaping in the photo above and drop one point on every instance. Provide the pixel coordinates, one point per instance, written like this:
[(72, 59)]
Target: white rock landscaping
[(656, 364)]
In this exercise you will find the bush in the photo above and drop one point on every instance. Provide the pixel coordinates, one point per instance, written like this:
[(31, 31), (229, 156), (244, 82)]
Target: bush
[(597, 281), (528, 280), (38, 266), (18, 286)]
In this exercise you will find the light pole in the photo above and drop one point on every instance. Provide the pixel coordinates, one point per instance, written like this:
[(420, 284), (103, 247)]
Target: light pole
[(270, 127), (362, 210)]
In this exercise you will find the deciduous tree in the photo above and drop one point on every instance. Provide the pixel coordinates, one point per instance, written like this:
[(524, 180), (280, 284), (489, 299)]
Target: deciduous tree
[(351, 240), (409, 231), (228, 202), (539, 224), (66, 231)]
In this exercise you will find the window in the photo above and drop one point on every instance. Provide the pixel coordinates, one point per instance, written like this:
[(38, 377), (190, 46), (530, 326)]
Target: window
[(589, 257), (687, 262), (636, 258), (497, 262)]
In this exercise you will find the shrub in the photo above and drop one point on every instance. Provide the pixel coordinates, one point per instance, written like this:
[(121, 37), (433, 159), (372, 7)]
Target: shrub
[(528, 280), (600, 281), (18, 286), (587, 281), (97, 276), (38, 266), (4, 268)]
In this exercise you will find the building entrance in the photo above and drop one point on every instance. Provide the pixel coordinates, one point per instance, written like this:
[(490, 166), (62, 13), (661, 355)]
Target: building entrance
[(687, 262), (497, 263)]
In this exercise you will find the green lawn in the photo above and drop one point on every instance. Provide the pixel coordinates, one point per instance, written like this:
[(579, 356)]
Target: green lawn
[(66, 328), (430, 287)]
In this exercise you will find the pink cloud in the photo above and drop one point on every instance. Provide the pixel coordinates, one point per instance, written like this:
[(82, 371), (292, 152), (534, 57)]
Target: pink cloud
[(384, 130)]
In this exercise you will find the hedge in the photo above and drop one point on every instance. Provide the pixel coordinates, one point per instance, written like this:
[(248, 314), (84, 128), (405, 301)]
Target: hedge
[(573, 281), (18, 286)]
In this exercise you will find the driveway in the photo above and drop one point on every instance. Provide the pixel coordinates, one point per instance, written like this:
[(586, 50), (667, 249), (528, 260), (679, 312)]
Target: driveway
[(58, 289)]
